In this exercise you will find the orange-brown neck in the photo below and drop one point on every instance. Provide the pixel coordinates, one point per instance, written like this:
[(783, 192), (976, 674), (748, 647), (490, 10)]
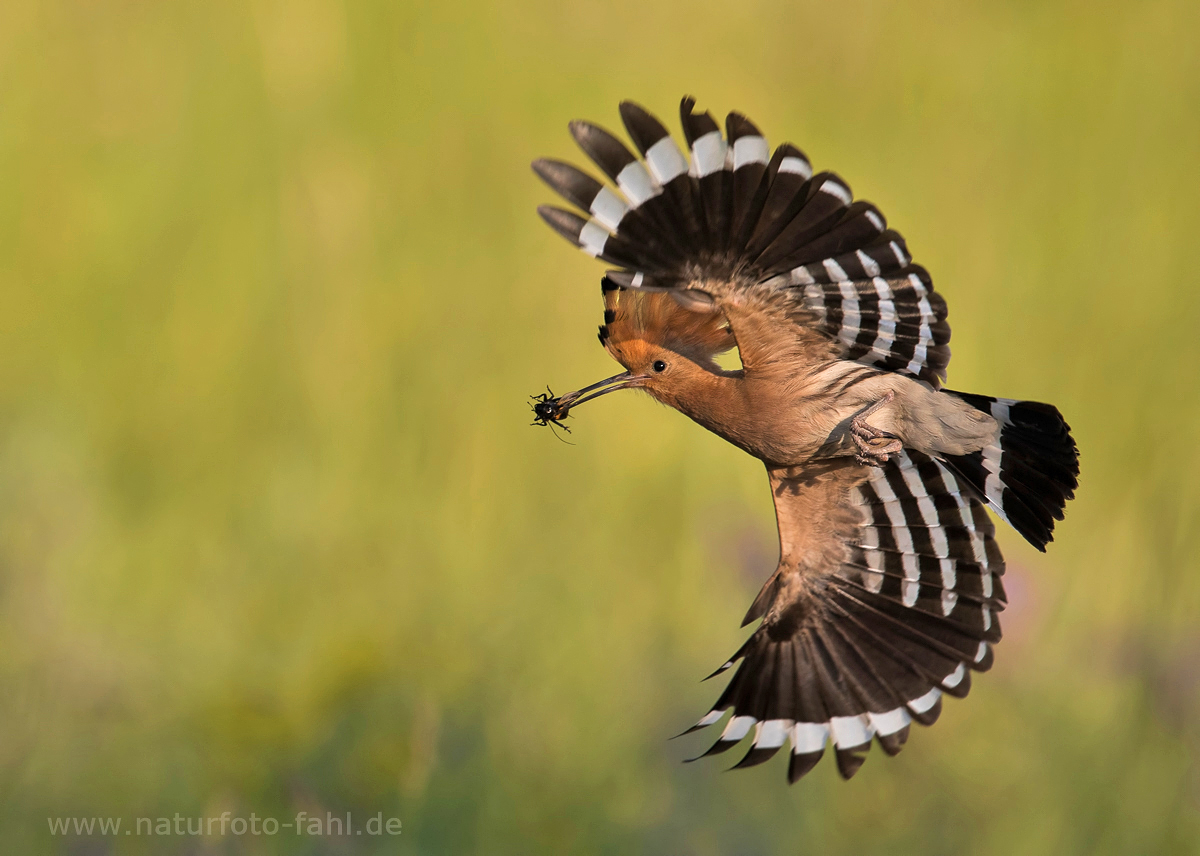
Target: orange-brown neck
[(720, 402)]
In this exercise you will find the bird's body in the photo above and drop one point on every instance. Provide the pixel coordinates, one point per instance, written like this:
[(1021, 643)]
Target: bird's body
[(888, 583), (793, 413)]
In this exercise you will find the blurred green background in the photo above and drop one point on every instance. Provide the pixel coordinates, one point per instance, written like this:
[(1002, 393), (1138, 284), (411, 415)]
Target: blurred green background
[(276, 536)]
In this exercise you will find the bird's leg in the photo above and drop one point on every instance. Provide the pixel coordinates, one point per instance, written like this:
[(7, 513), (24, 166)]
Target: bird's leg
[(872, 452)]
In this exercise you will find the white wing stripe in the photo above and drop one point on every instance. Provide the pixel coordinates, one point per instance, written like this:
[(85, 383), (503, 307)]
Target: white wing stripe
[(925, 702), (796, 165), (925, 505), (850, 731), (708, 153), (885, 337), (609, 208), (895, 513), (837, 190), (737, 728), (801, 276), (592, 238), (833, 268), (925, 335), (992, 485), (636, 184), (752, 149), (890, 722), (809, 737), (949, 577), (772, 733), (869, 264), (665, 160)]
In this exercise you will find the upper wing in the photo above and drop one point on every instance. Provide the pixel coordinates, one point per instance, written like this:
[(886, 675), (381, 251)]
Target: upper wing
[(733, 214), (885, 597)]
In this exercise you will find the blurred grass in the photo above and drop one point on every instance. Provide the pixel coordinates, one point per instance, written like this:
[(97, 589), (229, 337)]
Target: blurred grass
[(275, 535)]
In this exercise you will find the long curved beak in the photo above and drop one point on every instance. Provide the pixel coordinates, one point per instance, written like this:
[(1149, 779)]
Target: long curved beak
[(548, 409), (625, 380)]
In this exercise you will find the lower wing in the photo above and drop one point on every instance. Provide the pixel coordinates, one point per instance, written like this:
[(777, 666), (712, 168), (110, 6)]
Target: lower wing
[(884, 600)]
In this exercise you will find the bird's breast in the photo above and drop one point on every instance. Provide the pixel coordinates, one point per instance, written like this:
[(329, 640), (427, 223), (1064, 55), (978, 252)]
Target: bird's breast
[(776, 421)]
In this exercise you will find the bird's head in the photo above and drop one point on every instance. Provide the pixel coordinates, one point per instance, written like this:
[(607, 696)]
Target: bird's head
[(666, 340)]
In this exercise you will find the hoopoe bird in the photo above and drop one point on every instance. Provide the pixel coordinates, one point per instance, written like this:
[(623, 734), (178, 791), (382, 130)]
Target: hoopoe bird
[(888, 588)]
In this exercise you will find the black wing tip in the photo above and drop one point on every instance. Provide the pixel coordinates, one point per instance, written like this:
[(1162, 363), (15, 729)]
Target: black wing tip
[(791, 150), (552, 170), (717, 748), (755, 756), (720, 670), (801, 764), (553, 212), (851, 759), (893, 743), (737, 125), (566, 223), (644, 128), (544, 166), (695, 125), (927, 717)]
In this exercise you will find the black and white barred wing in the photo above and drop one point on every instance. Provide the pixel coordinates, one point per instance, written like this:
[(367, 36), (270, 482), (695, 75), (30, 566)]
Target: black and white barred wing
[(731, 210), (858, 651)]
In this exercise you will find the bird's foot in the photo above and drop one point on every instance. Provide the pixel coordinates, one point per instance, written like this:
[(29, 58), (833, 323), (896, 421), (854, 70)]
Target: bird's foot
[(875, 446), (873, 453)]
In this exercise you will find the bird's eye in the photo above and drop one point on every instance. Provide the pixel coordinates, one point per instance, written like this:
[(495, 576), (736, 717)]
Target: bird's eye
[(659, 366)]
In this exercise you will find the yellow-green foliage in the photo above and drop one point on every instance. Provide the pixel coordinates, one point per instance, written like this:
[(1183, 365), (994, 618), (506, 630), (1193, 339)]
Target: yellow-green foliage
[(275, 534)]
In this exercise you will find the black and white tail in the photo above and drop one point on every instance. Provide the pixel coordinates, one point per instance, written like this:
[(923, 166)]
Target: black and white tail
[(1030, 474)]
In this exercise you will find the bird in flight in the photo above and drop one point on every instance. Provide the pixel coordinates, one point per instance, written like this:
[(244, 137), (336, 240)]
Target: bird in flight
[(888, 588)]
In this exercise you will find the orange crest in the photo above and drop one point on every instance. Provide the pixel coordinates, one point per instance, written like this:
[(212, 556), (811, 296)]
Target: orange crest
[(635, 319)]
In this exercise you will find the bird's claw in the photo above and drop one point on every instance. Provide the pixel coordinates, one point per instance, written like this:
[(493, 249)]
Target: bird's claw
[(875, 447)]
